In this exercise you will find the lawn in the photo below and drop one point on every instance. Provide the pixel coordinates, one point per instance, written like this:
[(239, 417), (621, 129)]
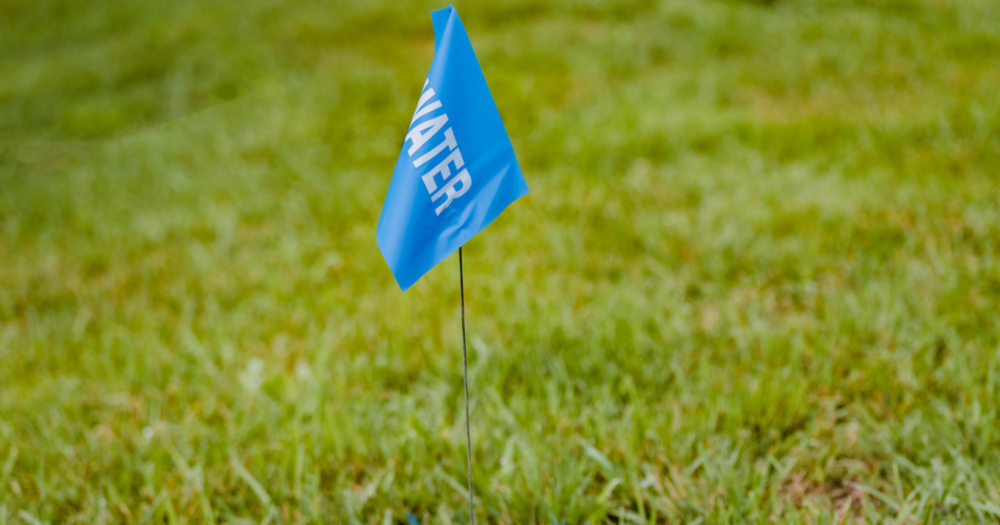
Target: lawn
[(757, 279)]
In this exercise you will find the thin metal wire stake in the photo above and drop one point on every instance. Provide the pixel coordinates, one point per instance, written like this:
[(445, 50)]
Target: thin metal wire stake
[(465, 381)]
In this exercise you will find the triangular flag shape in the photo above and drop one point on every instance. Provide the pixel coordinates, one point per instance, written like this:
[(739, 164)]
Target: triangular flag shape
[(457, 171)]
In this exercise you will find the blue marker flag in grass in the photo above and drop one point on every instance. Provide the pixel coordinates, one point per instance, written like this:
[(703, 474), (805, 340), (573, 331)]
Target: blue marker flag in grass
[(457, 171)]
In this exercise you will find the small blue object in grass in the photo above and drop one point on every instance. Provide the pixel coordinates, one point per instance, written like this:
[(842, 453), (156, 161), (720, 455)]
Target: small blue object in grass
[(457, 171), (412, 519)]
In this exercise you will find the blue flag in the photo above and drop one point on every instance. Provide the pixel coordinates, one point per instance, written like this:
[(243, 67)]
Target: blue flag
[(457, 171)]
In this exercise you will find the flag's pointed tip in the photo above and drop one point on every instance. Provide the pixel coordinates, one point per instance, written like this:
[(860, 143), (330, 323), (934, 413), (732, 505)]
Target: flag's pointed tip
[(444, 11), (440, 19)]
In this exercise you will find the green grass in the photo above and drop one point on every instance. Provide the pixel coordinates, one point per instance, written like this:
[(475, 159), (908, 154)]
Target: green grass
[(756, 280)]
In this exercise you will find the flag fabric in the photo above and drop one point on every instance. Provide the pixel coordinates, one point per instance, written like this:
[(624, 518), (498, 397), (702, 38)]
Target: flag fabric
[(457, 171)]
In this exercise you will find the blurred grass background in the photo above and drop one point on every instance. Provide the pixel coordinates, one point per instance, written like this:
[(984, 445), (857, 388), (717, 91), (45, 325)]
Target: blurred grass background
[(756, 279)]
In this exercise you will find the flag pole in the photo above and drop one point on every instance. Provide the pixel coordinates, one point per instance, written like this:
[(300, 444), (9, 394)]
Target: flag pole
[(465, 382)]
